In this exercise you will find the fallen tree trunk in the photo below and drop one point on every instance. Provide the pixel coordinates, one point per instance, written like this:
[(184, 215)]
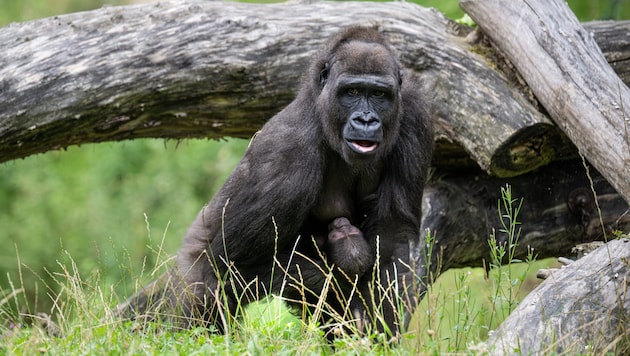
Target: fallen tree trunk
[(567, 72), (212, 69), (582, 308), (563, 205)]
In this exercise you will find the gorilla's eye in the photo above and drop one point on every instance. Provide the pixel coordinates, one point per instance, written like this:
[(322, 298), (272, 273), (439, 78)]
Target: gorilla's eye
[(353, 91), (378, 94)]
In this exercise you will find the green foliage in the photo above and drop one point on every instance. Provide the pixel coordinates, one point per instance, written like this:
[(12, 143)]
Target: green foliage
[(24, 10), (587, 10), (506, 283), (106, 205)]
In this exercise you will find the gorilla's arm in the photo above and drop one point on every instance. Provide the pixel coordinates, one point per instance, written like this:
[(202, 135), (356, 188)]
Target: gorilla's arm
[(266, 198)]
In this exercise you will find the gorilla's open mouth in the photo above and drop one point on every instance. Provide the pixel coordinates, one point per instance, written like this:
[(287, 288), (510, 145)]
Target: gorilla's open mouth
[(363, 146)]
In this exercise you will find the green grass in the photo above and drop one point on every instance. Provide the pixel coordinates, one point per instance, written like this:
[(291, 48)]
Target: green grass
[(463, 305), (108, 206), (457, 312)]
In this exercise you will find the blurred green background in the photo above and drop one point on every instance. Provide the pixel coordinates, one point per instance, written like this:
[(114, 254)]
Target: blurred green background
[(110, 205)]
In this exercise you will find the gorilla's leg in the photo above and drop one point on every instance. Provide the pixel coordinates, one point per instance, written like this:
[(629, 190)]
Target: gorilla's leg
[(182, 300)]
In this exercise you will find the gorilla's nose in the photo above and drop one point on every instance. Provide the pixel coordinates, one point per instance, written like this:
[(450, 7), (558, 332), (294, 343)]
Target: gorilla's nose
[(365, 121)]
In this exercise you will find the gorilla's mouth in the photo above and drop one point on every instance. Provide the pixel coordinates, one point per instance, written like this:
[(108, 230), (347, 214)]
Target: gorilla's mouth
[(363, 146)]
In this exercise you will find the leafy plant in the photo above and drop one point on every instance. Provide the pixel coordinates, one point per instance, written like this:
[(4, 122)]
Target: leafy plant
[(502, 251)]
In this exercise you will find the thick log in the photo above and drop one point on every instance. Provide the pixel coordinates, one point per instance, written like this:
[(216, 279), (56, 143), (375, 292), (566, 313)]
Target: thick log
[(564, 67), (559, 211), (583, 308), (211, 69)]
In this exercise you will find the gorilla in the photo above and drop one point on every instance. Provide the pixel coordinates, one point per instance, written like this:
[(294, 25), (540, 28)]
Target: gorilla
[(322, 207)]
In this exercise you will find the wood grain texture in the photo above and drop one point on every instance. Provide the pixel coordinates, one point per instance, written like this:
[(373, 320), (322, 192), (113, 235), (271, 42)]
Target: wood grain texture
[(582, 308), (211, 69), (568, 73)]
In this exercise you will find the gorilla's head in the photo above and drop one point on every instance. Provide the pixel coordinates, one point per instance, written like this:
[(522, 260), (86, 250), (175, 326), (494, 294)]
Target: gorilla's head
[(357, 80)]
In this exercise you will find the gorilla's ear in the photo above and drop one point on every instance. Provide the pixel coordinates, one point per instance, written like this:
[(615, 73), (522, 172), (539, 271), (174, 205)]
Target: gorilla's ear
[(323, 75)]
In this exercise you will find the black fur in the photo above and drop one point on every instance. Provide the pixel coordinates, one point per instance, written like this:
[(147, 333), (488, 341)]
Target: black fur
[(339, 170)]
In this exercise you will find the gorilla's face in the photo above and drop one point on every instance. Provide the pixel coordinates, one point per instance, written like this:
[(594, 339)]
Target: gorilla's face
[(363, 99), (361, 94)]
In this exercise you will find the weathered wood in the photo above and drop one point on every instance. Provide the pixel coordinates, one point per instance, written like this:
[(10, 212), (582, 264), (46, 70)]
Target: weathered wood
[(211, 69), (565, 69), (582, 308), (559, 211), (613, 38)]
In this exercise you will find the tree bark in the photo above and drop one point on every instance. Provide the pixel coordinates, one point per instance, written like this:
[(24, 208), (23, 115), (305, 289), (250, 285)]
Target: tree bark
[(565, 69), (582, 308), (614, 43), (212, 69)]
